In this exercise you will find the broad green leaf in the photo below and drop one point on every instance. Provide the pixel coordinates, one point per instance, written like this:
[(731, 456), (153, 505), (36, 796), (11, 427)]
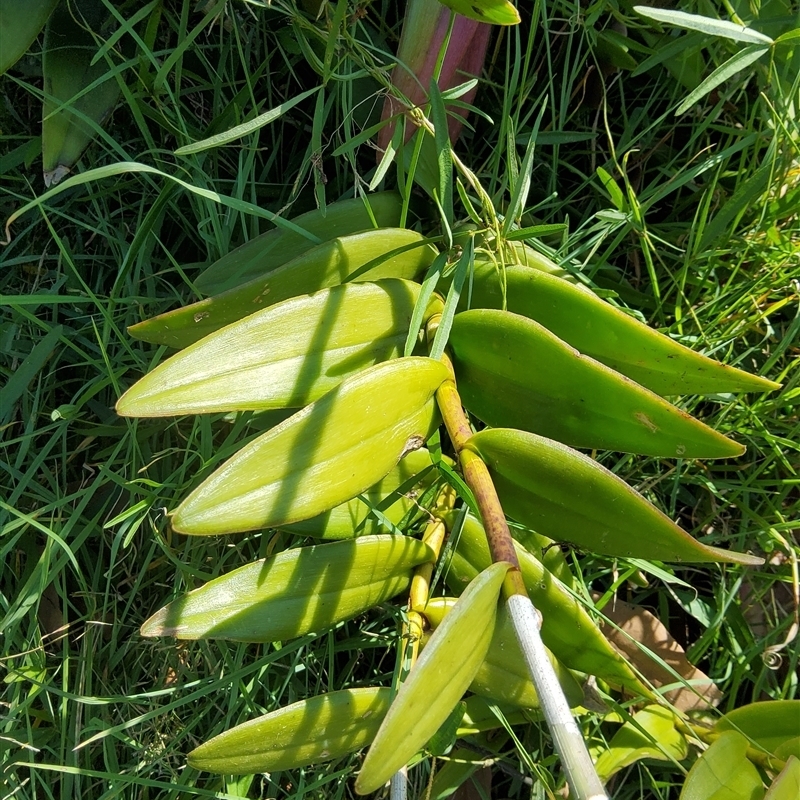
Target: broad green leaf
[(278, 246), (78, 95), (504, 676), (594, 327), (233, 134), (496, 12), (285, 356), (440, 677), (769, 723), (308, 732), (791, 747), (299, 591), (708, 25), (568, 496), (513, 372), (323, 455), (20, 23), (724, 773), (736, 63), (652, 734), (394, 496), (366, 256), (567, 629), (787, 785)]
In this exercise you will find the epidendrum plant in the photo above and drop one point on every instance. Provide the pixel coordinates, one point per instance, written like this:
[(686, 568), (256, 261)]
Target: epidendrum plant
[(557, 368)]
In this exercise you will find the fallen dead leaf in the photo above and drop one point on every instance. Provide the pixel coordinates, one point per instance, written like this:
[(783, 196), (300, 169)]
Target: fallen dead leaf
[(639, 624)]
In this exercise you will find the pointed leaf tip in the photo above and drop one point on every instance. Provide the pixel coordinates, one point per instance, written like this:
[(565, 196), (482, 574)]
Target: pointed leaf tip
[(494, 12), (440, 677)]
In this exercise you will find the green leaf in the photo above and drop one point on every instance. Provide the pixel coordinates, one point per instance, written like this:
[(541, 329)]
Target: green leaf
[(454, 772), (321, 456), (503, 676), (367, 256), (788, 37), (787, 785), (285, 356), (299, 591), (496, 12), (78, 96), (432, 277), (444, 155), (614, 192), (713, 27), (651, 734), (724, 773), (394, 496), (567, 628), (438, 680), (19, 380), (441, 743), (568, 496), (722, 224), (512, 372), (21, 21), (736, 63), (522, 185), (124, 167), (308, 732), (462, 270), (273, 249), (245, 128), (597, 329), (769, 723)]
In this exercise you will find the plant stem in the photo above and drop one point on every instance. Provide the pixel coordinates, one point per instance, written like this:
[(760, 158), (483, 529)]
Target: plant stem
[(578, 767), (434, 536)]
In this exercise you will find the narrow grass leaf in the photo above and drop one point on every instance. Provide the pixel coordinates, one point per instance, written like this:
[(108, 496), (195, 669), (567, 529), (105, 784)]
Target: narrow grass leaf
[(712, 27), (744, 58), (27, 371), (444, 155), (123, 167), (535, 231), (522, 185), (745, 195), (426, 292), (463, 268), (245, 128)]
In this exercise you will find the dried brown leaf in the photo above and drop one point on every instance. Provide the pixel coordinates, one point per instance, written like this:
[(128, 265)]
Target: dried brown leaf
[(640, 625)]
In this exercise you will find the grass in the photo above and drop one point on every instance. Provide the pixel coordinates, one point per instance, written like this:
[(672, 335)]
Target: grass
[(694, 225)]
